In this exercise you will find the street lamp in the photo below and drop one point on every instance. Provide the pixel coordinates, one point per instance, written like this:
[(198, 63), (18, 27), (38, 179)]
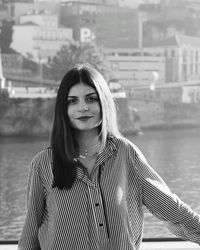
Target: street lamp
[(2, 79), (40, 65)]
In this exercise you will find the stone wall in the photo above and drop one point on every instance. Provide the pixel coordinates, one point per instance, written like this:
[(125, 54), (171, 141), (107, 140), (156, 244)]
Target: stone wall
[(33, 117), (28, 117)]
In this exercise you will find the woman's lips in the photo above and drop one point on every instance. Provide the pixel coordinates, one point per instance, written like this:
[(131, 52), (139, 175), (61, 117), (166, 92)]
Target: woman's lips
[(84, 118)]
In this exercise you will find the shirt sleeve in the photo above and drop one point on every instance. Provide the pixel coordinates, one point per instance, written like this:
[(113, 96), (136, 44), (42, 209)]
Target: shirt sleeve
[(160, 201), (35, 209)]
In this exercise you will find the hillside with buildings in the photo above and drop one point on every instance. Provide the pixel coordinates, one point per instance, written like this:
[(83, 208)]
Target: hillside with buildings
[(152, 49)]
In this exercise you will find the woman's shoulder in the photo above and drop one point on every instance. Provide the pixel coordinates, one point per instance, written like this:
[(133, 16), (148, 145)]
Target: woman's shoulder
[(43, 157), (122, 141), (132, 151), (41, 165)]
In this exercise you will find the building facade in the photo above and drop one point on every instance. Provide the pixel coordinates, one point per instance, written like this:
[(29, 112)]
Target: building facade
[(182, 55), (132, 69), (17, 9), (42, 36), (106, 24)]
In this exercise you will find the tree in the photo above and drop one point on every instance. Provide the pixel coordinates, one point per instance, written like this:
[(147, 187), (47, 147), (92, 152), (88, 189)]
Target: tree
[(6, 36), (74, 53), (29, 64)]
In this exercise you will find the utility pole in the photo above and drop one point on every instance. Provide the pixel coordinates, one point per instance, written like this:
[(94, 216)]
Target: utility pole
[(141, 19)]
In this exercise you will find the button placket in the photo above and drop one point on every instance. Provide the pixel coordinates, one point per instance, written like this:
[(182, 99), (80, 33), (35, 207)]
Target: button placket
[(100, 215), (98, 212)]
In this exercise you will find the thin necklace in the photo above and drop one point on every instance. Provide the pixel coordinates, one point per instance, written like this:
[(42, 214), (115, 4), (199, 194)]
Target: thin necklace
[(88, 152)]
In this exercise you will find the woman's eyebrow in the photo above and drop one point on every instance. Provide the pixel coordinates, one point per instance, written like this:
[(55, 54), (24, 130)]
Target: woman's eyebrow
[(93, 93), (72, 96)]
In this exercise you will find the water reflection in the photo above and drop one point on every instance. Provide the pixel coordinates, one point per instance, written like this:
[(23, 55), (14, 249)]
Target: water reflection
[(15, 157), (174, 154)]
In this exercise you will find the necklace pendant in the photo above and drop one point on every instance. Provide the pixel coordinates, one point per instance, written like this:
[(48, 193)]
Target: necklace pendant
[(88, 152), (82, 156)]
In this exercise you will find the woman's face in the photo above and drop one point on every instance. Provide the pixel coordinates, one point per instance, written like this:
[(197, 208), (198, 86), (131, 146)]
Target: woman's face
[(84, 110)]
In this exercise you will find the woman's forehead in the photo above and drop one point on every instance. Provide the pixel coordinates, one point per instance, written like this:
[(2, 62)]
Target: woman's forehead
[(81, 89)]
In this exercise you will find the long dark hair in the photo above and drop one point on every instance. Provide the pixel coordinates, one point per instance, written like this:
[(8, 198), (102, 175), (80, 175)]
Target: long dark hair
[(63, 142)]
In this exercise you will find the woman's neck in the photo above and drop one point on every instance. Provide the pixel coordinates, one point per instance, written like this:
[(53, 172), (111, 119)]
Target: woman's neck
[(87, 139)]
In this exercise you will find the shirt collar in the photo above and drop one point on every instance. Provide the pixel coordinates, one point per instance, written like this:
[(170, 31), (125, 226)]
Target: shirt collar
[(108, 151), (82, 175), (110, 148)]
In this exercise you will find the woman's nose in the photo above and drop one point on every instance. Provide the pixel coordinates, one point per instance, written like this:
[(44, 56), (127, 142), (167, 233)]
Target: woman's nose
[(83, 106)]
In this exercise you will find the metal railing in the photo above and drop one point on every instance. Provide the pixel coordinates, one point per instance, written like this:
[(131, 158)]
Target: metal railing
[(147, 244)]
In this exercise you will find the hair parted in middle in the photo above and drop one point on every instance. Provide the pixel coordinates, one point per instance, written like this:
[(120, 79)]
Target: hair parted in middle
[(63, 142)]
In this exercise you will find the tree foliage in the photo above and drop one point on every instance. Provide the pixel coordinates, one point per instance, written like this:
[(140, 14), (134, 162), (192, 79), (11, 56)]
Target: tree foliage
[(29, 64), (74, 53), (4, 100), (6, 32)]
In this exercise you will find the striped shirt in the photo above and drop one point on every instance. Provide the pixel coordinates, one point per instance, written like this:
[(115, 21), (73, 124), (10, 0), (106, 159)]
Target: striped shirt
[(103, 211)]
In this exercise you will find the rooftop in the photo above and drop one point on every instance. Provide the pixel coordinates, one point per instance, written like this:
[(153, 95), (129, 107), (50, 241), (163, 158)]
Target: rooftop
[(178, 40), (29, 23)]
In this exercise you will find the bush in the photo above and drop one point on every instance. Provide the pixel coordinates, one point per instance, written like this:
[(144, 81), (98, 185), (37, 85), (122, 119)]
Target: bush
[(4, 96)]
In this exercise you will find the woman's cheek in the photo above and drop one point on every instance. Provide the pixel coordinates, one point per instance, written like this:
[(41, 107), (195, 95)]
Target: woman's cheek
[(70, 111)]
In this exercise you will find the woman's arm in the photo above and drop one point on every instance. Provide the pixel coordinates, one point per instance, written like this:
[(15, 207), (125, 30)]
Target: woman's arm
[(157, 197), (35, 207)]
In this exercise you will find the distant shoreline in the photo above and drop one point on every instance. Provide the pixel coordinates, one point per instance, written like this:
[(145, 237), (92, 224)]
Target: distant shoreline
[(163, 127)]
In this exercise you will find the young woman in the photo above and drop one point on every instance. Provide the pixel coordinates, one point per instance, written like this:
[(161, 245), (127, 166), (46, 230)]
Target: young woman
[(88, 189)]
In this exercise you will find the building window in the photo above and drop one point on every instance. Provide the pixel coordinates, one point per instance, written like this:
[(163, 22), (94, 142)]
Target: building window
[(172, 53), (197, 56), (196, 69), (184, 72), (185, 55), (191, 55)]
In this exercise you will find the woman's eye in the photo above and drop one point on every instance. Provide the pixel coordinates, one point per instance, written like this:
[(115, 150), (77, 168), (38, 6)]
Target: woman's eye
[(92, 99), (71, 101)]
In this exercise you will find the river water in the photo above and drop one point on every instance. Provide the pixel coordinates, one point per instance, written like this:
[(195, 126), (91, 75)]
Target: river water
[(174, 154)]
